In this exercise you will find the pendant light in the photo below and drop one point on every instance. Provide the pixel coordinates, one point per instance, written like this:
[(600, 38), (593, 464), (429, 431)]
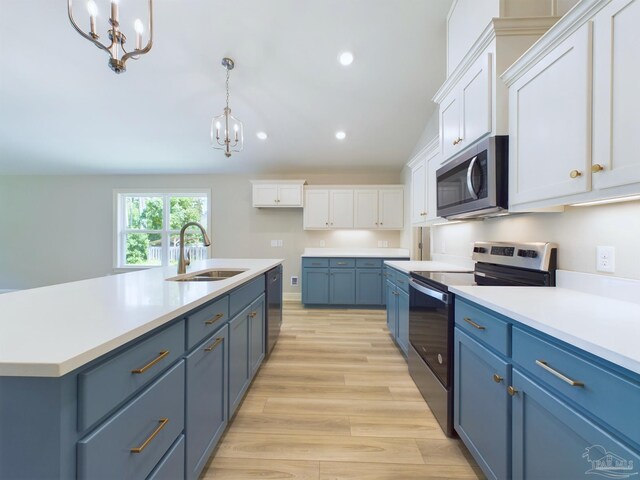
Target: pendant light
[(116, 49), (226, 130)]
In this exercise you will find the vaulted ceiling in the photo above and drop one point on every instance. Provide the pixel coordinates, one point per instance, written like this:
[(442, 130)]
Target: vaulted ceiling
[(63, 111)]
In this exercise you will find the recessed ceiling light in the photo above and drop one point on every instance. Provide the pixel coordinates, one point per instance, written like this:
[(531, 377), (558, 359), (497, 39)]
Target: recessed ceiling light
[(261, 135), (346, 58), (341, 135)]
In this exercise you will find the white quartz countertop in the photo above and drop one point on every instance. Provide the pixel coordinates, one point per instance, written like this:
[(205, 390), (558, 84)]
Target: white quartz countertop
[(357, 252), (603, 326), (408, 266), (51, 331)]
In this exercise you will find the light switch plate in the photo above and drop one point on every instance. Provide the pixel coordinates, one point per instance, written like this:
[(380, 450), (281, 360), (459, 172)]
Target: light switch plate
[(605, 259)]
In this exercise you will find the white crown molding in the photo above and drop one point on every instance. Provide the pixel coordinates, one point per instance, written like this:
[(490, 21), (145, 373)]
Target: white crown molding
[(358, 186), (574, 19), (425, 152), (274, 181), (497, 27)]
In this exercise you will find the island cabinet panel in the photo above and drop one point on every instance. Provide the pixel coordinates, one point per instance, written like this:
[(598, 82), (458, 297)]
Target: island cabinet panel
[(551, 439), (207, 320), (392, 308), (403, 321), (207, 396), (171, 467), (256, 334), (481, 404), (342, 286), (243, 296), (104, 387), (397, 302), (133, 441), (529, 406), (238, 359)]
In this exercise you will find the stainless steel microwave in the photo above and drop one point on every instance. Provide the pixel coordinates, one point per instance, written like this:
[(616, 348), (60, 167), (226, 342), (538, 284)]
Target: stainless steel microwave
[(474, 184)]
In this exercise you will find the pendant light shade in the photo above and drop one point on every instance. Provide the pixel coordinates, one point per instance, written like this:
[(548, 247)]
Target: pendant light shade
[(226, 130)]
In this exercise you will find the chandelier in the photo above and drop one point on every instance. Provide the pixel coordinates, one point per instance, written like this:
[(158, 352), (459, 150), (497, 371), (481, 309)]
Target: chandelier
[(226, 130), (116, 49)]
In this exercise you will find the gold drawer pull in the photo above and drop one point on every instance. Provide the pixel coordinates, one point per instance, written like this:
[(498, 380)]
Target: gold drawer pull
[(555, 373), (575, 174), (497, 378), (160, 356), (214, 319), (597, 168), (163, 422), (253, 314), (473, 324), (511, 391), (344, 263), (215, 344)]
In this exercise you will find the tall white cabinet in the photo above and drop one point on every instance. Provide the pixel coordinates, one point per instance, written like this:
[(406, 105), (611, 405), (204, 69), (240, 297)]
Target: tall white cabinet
[(424, 200)]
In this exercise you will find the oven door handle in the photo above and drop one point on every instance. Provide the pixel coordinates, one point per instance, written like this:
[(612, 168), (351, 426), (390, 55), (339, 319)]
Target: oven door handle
[(472, 191), (443, 297)]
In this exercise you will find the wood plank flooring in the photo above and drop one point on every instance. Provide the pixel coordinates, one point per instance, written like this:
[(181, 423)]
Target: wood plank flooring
[(335, 402)]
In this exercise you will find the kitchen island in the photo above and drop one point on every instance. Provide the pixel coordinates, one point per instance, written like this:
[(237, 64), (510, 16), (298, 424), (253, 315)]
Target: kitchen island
[(127, 376)]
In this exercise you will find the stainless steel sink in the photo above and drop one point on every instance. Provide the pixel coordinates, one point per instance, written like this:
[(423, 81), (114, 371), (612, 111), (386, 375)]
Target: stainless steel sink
[(214, 275)]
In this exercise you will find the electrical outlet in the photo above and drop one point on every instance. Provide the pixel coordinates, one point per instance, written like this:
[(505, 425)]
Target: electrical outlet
[(294, 281), (274, 243), (385, 243), (280, 243), (605, 259), (322, 243), (380, 244)]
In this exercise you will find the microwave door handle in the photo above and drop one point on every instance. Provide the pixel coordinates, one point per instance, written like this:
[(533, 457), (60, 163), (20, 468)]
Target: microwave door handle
[(472, 191), (443, 297)]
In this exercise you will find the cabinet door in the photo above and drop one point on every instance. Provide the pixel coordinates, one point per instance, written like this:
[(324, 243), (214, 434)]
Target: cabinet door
[(433, 164), (265, 195), (316, 209), (481, 404), (315, 286), (238, 359), (392, 309), (475, 95), (289, 195), (550, 124), (616, 102), (368, 286), (450, 125), (206, 412), (342, 286), (551, 440), (341, 209), (366, 208), (418, 193), (403, 321), (391, 209), (256, 335)]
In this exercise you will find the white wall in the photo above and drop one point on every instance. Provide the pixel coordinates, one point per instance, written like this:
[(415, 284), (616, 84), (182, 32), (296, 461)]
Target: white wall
[(577, 231), (56, 229)]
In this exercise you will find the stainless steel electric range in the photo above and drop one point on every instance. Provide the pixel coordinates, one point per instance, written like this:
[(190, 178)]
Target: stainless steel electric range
[(431, 312)]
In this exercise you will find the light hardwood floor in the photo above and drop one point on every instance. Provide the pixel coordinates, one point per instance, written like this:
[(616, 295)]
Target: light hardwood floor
[(335, 402)]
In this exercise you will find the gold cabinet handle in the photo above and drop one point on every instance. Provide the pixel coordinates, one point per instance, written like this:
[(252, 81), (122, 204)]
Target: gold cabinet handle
[(253, 314), (557, 374), (497, 378), (214, 319), (575, 174), (511, 391), (214, 345), (163, 422), (160, 356), (344, 263), (597, 168), (474, 324), (422, 214), (457, 141)]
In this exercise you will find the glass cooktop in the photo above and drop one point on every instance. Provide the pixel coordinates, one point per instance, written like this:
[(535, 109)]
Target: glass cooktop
[(445, 279)]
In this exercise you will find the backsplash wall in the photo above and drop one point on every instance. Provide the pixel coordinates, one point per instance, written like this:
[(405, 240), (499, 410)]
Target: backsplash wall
[(577, 231)]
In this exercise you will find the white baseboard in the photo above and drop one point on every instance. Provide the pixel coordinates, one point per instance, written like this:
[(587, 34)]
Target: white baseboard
[(292, 297)]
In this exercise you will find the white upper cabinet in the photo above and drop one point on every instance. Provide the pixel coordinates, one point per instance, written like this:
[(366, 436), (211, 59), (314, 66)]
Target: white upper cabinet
[(366, 209), (316, 209), (616, 98), (450, 124), (277, 193), (328, 208), (424, 200), (341, 208), (573, 101), (418, 191), (391, 209)]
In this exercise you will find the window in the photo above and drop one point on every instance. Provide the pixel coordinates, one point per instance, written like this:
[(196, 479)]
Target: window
[(148, 227)]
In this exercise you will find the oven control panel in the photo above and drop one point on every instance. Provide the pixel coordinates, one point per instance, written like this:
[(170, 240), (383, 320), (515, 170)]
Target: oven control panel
[(535, 255)]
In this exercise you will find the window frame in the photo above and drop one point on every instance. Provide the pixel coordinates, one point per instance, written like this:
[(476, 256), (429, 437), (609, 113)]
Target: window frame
[(119, 216)]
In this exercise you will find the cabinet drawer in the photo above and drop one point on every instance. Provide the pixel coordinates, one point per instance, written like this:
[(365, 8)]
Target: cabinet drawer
[(240, 298), (483, 326), (389, 274), (150, 423), (171, 467), (369, 262), (315, 262), (604, 394), (402, 281), (105, 386), (207, 320), (342, 262)]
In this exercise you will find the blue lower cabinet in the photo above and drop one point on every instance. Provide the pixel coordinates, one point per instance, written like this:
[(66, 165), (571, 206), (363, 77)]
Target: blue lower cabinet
[(481, 405), (368, 286), (256, 334), (342, 286), (315, 286), (551, 440), (238, 359), (207, 396), (171, 467), (132, 442), (392, 309), (403, 321)]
